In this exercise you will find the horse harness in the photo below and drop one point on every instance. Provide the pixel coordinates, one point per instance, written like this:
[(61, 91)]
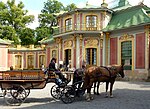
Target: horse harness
[(109, 69)]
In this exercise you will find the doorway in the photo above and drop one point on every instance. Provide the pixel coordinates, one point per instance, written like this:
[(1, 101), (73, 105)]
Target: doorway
[(91, 56), (67, 56)]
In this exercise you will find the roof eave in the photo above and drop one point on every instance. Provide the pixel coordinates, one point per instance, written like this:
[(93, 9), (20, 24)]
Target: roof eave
[(126, 27)]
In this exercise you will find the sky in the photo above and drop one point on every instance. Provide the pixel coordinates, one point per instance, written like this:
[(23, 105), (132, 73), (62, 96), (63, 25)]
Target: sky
[(34, 7)]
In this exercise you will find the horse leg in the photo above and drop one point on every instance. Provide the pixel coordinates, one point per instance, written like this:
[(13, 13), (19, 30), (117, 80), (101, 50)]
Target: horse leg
[(111, 87), (94, 88), (89, 97), (98, 83), (107, 84)]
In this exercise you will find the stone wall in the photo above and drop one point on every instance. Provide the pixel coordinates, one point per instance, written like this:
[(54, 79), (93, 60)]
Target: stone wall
[(135, 75)]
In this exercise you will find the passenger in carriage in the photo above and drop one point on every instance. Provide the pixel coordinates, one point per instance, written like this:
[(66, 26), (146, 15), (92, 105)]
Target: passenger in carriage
[(78, 76), (52, 67)]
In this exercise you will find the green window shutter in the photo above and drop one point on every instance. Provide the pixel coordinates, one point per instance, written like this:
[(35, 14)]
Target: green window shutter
[(126, 54)]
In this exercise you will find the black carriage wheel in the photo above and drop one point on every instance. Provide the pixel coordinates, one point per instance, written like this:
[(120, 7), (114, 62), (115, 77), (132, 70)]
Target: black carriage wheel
[(19, 92), (56, 91), (68, 94), (15, 96), (27, 92)]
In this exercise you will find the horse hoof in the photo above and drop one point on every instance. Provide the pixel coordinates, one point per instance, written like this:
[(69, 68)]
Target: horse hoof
[(111, 96), (91, 98), (98, 94), (106, 96), (88, 100)]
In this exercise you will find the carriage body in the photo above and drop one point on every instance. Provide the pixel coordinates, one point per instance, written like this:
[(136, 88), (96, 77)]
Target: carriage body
[(16, 85), (70, 92)]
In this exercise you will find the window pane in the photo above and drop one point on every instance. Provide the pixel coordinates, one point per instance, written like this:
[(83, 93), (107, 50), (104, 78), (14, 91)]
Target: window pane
[(91, 56), (68, 24), (54, 53), (126, 54), (91, 22), (18, 61), (41, 60), (30, 61)]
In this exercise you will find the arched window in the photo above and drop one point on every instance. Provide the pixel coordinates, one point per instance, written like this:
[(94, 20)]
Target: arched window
[(68, 24), (91, 22), (41, 60), (18, 61), (30, 61)]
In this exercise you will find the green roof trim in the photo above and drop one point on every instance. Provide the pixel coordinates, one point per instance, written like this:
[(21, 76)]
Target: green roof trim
[(129, 17), (47, 40), (6, 42)]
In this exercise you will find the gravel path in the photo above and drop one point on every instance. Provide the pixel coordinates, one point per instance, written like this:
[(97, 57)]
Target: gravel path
[(127, 95)]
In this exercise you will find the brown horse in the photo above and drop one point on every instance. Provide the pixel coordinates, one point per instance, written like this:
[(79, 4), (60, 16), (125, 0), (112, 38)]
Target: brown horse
[(101, 74)]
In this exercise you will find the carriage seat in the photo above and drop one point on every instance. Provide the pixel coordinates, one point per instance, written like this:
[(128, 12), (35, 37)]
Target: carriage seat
[(51, 74)]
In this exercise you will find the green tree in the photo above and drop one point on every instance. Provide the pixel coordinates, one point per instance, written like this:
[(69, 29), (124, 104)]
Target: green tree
[(47, 18), (41, 32), (12, 15), (27, 36), (70, 7)]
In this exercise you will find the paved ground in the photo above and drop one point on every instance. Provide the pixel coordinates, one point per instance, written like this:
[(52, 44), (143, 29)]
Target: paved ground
[(127, 95)]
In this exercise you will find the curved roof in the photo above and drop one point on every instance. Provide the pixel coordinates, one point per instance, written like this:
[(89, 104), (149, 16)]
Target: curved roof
[(47, 40), (5, 42), (132, 16)]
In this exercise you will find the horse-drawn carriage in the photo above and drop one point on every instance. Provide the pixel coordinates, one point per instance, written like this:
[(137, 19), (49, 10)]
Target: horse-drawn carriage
[(16, 85), (92, 75)]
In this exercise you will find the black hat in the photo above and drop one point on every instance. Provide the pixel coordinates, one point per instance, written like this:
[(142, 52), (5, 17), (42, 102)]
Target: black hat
[(53, 59)]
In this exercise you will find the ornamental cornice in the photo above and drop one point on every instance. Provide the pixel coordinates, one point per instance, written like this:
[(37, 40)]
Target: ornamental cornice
[(126, 37), (68, 43), (91, 42)]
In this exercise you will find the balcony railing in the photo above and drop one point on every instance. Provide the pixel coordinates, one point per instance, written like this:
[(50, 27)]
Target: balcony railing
[(77, 27)]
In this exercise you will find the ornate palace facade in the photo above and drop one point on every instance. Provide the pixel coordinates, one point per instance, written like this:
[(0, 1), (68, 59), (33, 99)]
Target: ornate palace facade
[(102, 36), (96, 35)]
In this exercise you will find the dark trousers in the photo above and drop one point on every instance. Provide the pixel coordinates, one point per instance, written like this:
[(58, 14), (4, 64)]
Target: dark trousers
[(61, 76)]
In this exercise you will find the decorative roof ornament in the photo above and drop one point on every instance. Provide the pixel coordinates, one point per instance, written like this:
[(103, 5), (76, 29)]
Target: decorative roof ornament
[(123, 3), (104, 5), (141, 2), (87, 3)]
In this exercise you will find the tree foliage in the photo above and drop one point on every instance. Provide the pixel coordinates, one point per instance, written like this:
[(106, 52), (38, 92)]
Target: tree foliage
[(48, 17), (70, 7), (27, 36), (13, 18), (41, 33), (14, 21)]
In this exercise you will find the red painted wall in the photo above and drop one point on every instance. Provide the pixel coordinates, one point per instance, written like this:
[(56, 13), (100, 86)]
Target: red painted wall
[(75, 21), (113, 51), (81, 22), (24, 63), (10, 59), (3, 57), (140, 51), (37, 61)]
